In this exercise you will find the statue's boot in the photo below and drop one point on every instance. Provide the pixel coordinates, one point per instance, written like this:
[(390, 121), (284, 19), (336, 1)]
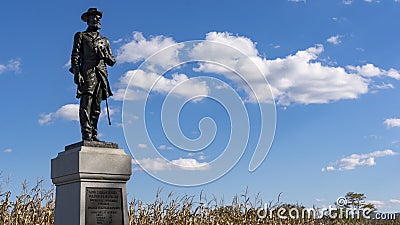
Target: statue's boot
[(95, 137), (95, 119), (86, 137)]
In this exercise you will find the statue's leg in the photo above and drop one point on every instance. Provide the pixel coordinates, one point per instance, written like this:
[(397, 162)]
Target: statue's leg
[(96, 109), (84, 116)]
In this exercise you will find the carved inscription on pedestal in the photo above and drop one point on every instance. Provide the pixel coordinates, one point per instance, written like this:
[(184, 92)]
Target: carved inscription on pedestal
[(104, 206)]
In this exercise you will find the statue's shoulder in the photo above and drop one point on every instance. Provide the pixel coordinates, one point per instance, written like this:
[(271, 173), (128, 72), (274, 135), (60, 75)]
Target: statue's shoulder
[(103, 37), (78, 35)]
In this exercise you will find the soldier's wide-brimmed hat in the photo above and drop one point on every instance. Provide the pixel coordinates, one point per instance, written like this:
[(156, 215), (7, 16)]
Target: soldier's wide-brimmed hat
[(91, 11)]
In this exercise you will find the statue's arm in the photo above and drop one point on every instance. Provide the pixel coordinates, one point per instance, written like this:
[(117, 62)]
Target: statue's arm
[(110, 58), (76, 53), (76, 59)]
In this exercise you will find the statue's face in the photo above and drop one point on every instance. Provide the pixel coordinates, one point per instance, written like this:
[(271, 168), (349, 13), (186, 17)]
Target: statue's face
[(94, 21)]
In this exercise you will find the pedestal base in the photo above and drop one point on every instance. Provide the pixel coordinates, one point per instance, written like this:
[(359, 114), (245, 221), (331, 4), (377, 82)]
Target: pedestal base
[(90, 179)]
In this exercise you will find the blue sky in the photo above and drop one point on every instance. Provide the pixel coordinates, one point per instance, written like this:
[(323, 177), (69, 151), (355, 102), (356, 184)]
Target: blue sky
[(333, 68)]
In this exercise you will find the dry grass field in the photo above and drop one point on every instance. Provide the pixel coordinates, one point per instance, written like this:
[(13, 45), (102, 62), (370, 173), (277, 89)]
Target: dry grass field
[(35, 206), (31, 207)]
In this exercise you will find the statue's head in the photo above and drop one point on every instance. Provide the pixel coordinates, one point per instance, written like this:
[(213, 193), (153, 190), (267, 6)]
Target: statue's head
[(92, 18)]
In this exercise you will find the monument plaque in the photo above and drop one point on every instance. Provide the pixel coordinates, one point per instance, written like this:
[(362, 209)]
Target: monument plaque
[(103, 206)]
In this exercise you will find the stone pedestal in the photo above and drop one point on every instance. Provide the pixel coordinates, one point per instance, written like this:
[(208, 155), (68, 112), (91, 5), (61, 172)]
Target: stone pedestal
[(90, 179)]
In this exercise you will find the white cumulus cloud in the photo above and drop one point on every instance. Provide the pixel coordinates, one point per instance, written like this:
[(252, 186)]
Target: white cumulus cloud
[(14, 65), (66, 112), (140, 48), (128, 94), (138, 81), (376, 202), (69, 112), (297, 78), (164, 147), (335, 39), (383, 86), (159, 164), (356, 160), (370, 70), (142, 146), (300, 77), (394, 201), (8, 150), (392, 122)]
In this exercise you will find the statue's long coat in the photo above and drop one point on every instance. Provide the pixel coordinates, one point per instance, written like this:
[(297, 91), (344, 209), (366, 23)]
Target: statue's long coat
[(90, 54)]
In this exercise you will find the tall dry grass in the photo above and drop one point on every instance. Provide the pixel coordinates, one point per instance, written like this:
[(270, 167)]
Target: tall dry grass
[(36, 207), (189, 210), (31, 207)]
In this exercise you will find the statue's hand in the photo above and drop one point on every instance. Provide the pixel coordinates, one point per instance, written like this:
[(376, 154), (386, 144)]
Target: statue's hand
[(109, 61), (78, 79)]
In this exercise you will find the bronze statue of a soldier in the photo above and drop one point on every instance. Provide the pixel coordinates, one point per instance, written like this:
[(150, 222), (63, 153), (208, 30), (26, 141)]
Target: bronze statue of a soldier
[(90, 54)]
